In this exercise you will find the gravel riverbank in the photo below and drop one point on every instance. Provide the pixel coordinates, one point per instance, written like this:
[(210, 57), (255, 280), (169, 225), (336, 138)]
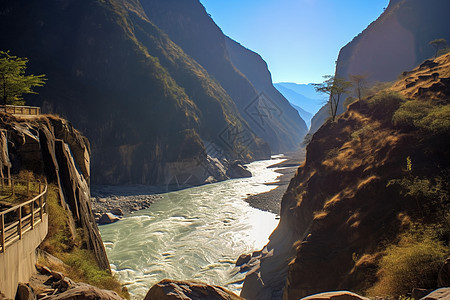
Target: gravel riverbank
[(271, 200)]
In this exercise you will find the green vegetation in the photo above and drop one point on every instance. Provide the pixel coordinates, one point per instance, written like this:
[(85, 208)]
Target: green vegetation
[(426, 197), (424, 115), (21, 191), (385, 101), (413, 262), (13, 81), (335, 87), (438, 44), (69, 246)]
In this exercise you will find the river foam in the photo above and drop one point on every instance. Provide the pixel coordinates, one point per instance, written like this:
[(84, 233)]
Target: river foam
[(192, 234)]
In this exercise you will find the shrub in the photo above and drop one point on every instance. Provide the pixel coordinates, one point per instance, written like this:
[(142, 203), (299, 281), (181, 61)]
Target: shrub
[(385, 101), (412, 263), (423, 115)]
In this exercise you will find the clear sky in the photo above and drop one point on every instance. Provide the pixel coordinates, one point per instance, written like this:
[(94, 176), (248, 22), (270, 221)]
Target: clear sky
[(299, 39)]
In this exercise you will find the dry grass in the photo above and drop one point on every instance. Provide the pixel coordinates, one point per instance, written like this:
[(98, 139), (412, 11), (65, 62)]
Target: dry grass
[(22, 192), (412, 263), (66, 244)]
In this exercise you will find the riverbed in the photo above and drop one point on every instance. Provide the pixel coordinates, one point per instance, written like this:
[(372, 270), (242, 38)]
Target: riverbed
[(192, 234)]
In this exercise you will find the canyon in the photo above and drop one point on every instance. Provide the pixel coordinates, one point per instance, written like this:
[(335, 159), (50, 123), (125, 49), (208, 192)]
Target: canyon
[(160, 96)]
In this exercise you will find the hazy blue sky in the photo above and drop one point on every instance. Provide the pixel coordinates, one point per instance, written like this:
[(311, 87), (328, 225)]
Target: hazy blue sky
[(299, 39)]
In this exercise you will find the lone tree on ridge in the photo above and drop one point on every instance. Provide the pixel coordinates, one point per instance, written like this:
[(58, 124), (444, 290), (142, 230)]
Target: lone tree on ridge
[(335, 87), (438, 44), (13, 81)]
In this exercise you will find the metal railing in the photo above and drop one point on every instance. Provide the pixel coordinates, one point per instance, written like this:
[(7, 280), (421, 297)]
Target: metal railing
[(17, 220), (21, 110)]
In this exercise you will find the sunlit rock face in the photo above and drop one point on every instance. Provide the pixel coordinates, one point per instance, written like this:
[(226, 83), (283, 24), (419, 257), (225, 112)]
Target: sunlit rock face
[(52, 147), (170, 289)]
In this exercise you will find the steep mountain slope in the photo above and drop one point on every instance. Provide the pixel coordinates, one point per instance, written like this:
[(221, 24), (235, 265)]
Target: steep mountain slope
[(146, 106), (368, 179), (286, 125), (395, 42), (304, 114), (188, 25)]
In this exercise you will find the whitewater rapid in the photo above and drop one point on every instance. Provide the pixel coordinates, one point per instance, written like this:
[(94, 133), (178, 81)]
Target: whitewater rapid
[(192, 234)]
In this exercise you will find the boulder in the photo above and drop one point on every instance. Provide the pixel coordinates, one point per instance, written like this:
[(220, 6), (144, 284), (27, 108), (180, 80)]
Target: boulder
[(117, 211), (237, 170), (24, 292), (108, 218), (85, 292), (338, 295), (188, 290), (419, 293), (439, 294), (243, 259)]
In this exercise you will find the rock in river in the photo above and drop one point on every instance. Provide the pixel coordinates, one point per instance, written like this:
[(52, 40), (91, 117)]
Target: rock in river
[(108, 218), (171, 289)]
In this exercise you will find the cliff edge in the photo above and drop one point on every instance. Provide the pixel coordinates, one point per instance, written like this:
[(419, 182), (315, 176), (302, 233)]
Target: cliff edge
[(50, 147)]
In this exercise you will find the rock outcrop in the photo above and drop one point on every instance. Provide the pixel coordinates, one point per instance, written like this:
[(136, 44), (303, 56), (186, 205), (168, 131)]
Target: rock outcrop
[(440, 294), (50, 146), (184, 290), (344, 201), (340, 295), (50, 284)]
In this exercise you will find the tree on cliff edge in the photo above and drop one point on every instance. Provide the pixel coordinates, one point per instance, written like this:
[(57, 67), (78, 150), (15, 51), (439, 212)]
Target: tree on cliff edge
[(13, 81), (335, 88)]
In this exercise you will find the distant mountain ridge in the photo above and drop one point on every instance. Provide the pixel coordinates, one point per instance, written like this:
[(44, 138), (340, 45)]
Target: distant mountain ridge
[(303, 97)]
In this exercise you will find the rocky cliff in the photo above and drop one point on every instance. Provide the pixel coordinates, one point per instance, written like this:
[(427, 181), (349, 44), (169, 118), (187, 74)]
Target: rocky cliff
[(49, 146), (145, 104), (367, 178), (397, 41)]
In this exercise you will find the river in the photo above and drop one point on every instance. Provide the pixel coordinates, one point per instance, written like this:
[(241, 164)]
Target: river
[(192, 234)]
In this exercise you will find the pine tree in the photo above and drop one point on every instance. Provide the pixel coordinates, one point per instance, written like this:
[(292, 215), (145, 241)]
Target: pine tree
[(13, 81)]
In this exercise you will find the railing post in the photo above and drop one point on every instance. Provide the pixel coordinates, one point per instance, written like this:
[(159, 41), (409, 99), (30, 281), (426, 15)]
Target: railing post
[(2, 227), (41, 213), (19, 226), (32, 215), (12, 189)]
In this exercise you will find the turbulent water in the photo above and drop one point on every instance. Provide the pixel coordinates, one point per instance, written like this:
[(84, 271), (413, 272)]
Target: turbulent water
[(195, 233)]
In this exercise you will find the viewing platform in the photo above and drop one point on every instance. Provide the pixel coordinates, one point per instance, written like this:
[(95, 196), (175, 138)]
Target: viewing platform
[(21, 110), (22, 229)]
